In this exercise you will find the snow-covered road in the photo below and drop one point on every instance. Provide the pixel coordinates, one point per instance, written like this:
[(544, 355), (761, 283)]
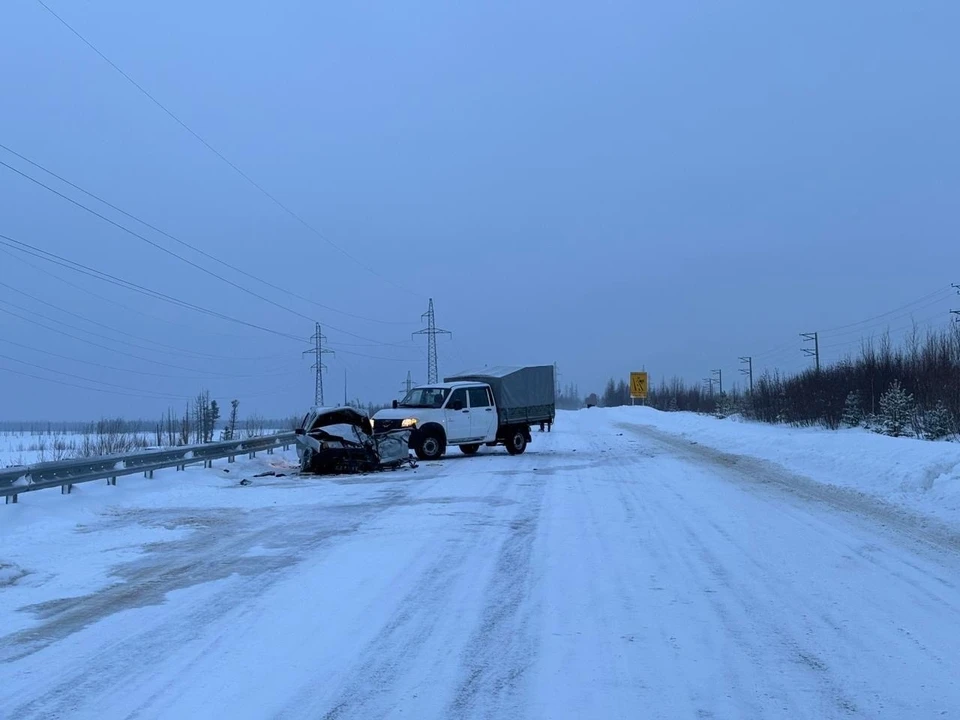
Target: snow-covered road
[(613, 571)]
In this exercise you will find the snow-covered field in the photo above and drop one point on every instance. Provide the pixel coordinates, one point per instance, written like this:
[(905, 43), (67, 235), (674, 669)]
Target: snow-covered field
[(619, 569), (26, 448)]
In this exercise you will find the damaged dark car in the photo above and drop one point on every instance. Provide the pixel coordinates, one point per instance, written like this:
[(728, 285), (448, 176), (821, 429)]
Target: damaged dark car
[(336, 441)]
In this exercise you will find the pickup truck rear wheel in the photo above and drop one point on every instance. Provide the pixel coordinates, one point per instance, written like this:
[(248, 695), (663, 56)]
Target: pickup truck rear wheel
[(430, 446), (516, 441), (469, 449)]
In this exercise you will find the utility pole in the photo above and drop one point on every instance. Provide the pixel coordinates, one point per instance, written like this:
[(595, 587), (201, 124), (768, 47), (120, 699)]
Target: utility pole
[(748, 361), (815, 353), (956, 287), (318, 351), (431, 332), (719, 381), (708, 383), (556, 378)]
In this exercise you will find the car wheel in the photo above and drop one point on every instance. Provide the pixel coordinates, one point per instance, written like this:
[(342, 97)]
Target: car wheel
[(469, 449), (516, 441), (430, 446)]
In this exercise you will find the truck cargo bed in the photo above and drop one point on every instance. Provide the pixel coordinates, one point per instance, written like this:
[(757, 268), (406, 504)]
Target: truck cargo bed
[(524, 395)]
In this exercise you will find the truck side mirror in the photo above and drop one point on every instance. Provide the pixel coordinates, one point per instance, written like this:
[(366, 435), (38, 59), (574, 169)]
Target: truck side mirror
[(395, 403)]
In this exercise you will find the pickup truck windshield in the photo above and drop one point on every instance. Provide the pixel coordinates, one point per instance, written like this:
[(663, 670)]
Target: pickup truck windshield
[(425, 398)]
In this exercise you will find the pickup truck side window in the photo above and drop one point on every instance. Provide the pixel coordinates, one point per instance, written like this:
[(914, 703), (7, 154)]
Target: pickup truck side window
[(479, 397), (460, 394)]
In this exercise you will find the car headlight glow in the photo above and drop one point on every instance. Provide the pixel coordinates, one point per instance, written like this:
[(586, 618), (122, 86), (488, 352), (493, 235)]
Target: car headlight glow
[(409, 422)]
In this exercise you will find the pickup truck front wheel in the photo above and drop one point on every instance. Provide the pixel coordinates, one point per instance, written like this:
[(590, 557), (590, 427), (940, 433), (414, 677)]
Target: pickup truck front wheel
[(430, 446), (516, 441)]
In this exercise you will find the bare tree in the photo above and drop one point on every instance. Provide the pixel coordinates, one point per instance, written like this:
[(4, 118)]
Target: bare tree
[(185, 427)]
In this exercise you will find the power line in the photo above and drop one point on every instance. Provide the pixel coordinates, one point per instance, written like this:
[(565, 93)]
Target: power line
[(36, 252), (134, 394), (189, 245), (161, 347), (220, 155), (126, 307), (176, 255), (892, 317), (86, 379), (922, 323), (139, 372), (105, 347), (939, 292), (781, 349), (431, 332), (156, 245), (138, 394)]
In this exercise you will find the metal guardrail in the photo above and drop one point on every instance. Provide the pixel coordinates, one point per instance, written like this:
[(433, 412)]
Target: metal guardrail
[(67, 473)]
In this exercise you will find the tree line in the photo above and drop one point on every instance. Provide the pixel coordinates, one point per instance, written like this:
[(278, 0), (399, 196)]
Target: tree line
[(912, 389)]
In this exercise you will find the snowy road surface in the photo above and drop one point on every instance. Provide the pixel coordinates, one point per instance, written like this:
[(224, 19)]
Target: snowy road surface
[(611, 572)]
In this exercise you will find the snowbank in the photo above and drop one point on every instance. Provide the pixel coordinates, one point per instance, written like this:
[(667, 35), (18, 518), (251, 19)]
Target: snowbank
[(918, 475)]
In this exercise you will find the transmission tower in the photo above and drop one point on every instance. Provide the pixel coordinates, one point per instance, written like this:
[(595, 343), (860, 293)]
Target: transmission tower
[(318, 351), (815, 352), (431, 332), (407, 384), (748, 370)]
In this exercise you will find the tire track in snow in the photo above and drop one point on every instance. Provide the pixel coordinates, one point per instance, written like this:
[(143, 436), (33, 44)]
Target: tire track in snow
[(812, 633), (380, 672), (503, 645), (206, 554)]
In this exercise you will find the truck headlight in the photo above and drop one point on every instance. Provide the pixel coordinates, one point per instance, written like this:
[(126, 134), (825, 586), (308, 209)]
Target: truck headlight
[(409, 422)]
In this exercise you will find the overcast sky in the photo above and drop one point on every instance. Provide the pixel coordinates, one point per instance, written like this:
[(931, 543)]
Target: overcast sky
[(605, 185)]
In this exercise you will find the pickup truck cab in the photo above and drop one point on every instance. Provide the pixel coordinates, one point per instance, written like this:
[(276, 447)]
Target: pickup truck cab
[(451, 413)]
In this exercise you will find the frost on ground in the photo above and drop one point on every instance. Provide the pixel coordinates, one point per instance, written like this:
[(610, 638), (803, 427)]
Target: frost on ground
[(616, 570)]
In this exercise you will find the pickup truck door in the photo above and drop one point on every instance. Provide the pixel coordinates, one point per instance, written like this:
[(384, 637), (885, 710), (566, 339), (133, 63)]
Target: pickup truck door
[(457, 417), (483, 414)]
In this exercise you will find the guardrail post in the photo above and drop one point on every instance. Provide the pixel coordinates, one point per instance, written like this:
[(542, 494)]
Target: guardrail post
[(66, 489), (148, 474), (112, 481), (11, 500), (269, 451), (232, 458), (252, 455)]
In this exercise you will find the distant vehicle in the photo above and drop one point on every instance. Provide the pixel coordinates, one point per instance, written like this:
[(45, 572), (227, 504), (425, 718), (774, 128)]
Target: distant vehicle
[(592, 400), (333, 441), (493, 406)]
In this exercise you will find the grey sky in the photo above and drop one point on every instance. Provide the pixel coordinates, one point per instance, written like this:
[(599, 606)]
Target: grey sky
[(604, 185)]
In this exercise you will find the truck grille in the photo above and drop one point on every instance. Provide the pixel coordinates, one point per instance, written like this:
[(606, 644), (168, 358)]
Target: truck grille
[(386, 425)]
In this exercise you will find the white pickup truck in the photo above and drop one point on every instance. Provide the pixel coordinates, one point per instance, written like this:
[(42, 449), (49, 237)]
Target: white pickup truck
[(495, 406)]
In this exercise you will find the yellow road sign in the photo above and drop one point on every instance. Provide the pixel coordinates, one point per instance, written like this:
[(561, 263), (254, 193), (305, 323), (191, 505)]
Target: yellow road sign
[(638, 385)]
